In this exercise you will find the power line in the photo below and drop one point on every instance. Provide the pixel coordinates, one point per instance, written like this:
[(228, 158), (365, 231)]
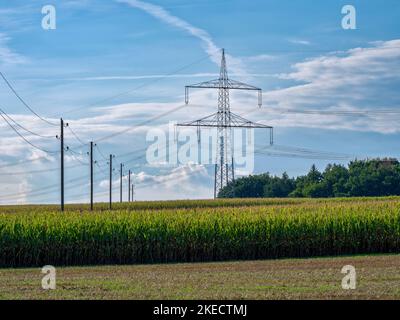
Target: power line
[(26, 140), (289, 149), (141, 124), (77, 154), (23, 101), (275, 150), (76, 136), (333, 112), (302, 156), (105, 159), (77, 148), (39, 171), (141, 86), (43, 190), (121, 132), (42, 193), (48, 187), (24, 128), (23, 162), (72, 151), (149, 184), (101, 170), (145, 185), (100, 153)]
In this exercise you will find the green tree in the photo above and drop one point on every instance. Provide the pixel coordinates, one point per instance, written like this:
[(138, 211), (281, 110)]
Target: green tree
[(335, 178), (374, 177), (245, 187), (310, 185), (279, 187)]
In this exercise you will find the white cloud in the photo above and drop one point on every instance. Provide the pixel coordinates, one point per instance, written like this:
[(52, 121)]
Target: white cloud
[(183, 182), (18, 185), (356, 80), (354, 66), (40, 155), (186, 181)]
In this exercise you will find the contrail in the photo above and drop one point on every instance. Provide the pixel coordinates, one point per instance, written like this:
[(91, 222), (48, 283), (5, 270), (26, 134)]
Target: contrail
[(209, 45)]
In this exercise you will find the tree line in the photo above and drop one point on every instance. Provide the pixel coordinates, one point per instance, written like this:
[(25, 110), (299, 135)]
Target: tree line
[(360, 178)]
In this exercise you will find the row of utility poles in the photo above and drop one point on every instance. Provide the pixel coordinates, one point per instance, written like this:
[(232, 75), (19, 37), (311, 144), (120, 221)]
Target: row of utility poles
[(131, 191), (110, 163)]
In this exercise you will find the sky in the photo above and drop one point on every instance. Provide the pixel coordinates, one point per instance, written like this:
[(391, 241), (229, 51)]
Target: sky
[(115, 70)]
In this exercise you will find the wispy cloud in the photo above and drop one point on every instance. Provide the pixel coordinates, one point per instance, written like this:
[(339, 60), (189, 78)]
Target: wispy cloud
[(300, 41), (76, 3), (174, 76), (7, 55), (142, 77), (260, 57), (209, 45)]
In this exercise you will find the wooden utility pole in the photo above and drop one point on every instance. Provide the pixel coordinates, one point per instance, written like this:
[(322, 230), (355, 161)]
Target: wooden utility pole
[(120, 183), (91, 175), (110, 180), (129, 186), (62, 164)]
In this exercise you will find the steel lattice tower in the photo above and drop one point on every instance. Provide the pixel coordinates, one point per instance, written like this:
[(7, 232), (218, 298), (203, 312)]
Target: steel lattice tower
[(224, 120)]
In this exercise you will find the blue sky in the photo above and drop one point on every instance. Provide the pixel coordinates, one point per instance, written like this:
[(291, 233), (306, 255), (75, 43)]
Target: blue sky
[(296, 51)]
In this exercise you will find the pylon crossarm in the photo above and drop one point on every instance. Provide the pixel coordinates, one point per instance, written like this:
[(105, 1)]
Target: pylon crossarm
[(218, 84), (206, 84), (233, 84), (249, 125), (208, 119), (226, 126), (236, 122), (240, 121)]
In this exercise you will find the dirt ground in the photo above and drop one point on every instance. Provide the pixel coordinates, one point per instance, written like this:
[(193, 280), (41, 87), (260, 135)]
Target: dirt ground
[(377, 277)]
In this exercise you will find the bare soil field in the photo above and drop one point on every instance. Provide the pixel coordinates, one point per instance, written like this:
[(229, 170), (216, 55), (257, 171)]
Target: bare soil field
[(378, 277)]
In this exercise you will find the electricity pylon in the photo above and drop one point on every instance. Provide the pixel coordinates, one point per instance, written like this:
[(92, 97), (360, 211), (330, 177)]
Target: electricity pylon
[(224, 120)]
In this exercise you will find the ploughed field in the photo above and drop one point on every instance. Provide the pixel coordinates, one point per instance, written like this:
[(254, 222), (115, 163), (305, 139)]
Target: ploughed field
[(378, 277), (197, 231)]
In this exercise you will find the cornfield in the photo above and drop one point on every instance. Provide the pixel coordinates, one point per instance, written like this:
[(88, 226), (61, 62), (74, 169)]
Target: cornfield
[(159, 232)]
